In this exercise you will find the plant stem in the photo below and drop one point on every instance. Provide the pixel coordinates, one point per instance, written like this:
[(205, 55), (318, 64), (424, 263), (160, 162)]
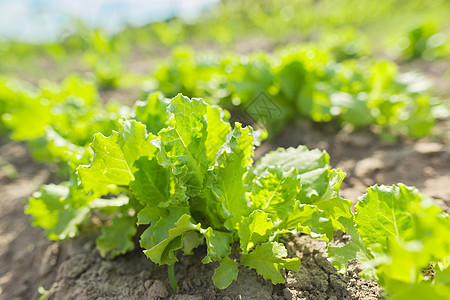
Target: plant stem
[(172, 279)]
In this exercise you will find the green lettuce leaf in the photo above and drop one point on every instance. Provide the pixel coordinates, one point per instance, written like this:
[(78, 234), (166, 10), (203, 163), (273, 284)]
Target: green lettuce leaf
[(150, 214), (399, 234), (116, 238), (268, 258), (218, 129), (51, 210), (225, 180), (421, 291), (218, 243), (311, 220), (339, 256), (182, 146), (114, 158), (152, 112), (151, 184), (163, 239), (319, 183), (382, 215), (225, 273), (255, 229), (26, 107), (275, 192)]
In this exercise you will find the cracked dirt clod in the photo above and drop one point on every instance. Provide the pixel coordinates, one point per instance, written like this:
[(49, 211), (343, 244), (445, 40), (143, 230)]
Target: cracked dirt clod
[(49, 259), (318, 279), (157, 290), (74, 267), (354, 280)]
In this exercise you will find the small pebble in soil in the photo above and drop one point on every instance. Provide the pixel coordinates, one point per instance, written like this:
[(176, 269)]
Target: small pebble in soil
[(288, 294)]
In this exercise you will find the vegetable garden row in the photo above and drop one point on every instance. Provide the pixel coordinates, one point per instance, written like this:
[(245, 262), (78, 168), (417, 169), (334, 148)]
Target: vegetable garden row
[(178, 167), (177, 170)]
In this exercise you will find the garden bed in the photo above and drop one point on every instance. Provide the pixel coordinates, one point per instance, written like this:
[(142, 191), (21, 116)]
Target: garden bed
[(73, 269)]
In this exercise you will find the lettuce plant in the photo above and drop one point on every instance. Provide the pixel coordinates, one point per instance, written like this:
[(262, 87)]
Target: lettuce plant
[(195, 183), (401, 239), (69, 114)]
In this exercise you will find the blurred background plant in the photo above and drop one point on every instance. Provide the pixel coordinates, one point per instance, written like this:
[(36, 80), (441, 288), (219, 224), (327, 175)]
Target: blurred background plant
[(424, 41)]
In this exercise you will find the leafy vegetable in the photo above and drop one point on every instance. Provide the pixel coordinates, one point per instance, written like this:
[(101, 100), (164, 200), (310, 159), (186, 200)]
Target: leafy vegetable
[(114, 158), (305, 82), (399, 234), (226, 273), (189, 176), (116, 238), (180, 170), (192, 184), (267, 259), (423, 40), (51, 212), (69, 115)]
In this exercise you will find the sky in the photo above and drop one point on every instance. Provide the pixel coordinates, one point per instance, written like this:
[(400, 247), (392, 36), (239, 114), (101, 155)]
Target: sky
[(44, 20)]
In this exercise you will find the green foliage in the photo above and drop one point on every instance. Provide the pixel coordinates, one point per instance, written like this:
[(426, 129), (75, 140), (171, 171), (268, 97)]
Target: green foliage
[(192, 184), (51, 209), (226, 273), (319, 185), (69, 115), (400, 237), (178, 167), (116, 238), (180, 170), (424, 41), (114, 158), (102, 56), (306, 82), (152, 112), (268, 258)]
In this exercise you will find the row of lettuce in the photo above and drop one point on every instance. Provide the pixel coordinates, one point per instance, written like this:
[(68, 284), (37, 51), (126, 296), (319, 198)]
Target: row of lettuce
[(179, 170), (271, 90), (268, 90), (307, 81)]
